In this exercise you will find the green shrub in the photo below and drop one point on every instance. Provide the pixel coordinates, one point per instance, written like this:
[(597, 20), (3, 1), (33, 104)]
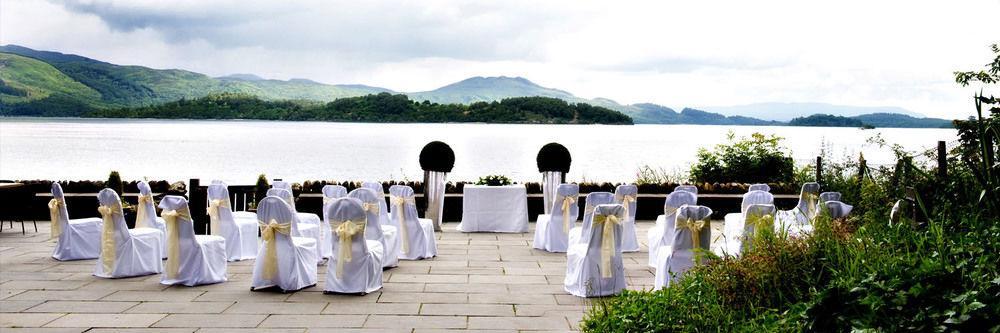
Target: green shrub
[(754, 159), (115, 183)]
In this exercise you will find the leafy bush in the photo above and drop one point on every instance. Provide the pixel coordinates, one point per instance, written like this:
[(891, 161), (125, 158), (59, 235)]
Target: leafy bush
[(115, 183), (754, 159), (494, 180)]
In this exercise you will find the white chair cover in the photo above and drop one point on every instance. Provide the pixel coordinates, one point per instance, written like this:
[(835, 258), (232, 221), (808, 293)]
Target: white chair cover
[(195, 259), (661, 234), (627, 195), (756, 218), (799, 219), (125, 252), (240, 233), (331, 192), (837, 209), (594, 199), (75, 239), (417, 234), (829, 196), (687, 188), (733, 227), (238, 214), (552, 230), (356, 266), (307, 225), (387, 235), (383, 217), (759, 187), (292, 264), (145, 213), (693, 230), (594, 268)]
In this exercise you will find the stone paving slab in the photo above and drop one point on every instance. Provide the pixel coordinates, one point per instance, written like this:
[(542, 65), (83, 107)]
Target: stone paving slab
[(480, 282)]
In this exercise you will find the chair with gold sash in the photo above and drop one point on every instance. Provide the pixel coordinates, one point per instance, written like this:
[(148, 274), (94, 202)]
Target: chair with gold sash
[(579, 234), (331, 192), (356, 266), (594, 268), (733, 227), (552, 230), (759, 187), (125, 252), (387, 235), (191, 259), (693, 230), (416, 234), (383, 217), (627, 195), (798, 220), (145, 212), (687, 188), (285, 261), (757, 219), (306, 226), (76, 239), (242, 242), (662, 233)]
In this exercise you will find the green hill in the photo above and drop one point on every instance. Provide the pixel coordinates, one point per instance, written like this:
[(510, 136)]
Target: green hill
[(25, 81), (902, 120), (826, 120)]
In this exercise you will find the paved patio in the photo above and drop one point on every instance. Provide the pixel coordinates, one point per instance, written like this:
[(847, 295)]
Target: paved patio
[(480, 282)]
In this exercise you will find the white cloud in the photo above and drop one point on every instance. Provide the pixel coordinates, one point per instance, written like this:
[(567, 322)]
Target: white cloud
[(886, 53)]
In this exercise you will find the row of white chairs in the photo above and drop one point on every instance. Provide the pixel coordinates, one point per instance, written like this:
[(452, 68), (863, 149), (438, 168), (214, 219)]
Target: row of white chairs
[(201, 259)]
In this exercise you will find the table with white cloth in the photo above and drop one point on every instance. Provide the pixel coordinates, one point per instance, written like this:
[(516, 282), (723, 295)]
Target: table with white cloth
[(494, 209)]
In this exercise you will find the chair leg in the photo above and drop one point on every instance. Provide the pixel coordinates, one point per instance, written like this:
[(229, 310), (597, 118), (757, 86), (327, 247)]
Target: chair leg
[(36, 225), (22, 226)]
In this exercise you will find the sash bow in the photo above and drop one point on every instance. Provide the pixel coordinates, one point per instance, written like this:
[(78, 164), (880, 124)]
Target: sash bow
[(607, 241), (267, 231)]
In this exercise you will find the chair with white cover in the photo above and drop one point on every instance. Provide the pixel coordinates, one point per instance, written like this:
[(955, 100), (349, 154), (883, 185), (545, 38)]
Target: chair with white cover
[(145, 212), (693, 230), (330, 193), (76, 239), (662, 233), (357, 261), (837, 209), (799, 219), (383, 217), (237, 214), (285, 261), (757, 218), (594, 199), (387, 235), (733, 226), (687, 188), (125, 252), (626, 196), (417, 234), (240, 233), (191, 259), (594, 268), (829, 196), (759, 187), (552, 230), (305, 225)]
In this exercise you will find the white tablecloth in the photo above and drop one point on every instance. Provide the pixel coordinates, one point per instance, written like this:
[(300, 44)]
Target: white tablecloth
[(494, 209)]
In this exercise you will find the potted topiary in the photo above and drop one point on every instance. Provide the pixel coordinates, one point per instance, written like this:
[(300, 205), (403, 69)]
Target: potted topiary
[(553, 162), (115, 183), (260, 191), (436, 159)]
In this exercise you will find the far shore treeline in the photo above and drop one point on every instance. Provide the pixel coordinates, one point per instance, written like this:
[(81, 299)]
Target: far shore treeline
[(383, 107)]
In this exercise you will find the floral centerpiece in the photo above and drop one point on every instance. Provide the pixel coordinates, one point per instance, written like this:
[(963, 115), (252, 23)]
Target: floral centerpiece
[(494, 180)]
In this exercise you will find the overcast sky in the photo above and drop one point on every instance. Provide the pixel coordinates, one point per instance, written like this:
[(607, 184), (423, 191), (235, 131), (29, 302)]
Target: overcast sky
[(695, 53)]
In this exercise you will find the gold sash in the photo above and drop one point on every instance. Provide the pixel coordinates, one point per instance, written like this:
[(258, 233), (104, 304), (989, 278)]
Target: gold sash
[(267, 234), (173, 241), (695, 226), (346, 231), (399, 202), (566, 205), (213, 213), (607, 241), (108, 246), (140, 211), (627, 201), (54, 215)]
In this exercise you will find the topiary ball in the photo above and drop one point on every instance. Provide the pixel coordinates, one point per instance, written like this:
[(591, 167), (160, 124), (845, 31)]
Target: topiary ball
[(553, 157), (437, 156)]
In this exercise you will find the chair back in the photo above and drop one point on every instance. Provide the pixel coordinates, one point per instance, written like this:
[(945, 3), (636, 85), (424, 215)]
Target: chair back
[(380, 191), (350, 209), (759, 187), (687, 188), (629, 192), (409, 207), (562, 192), (282, 185), (837, 209), (596, 232), (594, 199), (808, 199), (109, 198), (829, 196), (684, 236), (185, 227), (334, 191), (673, 203), (756, 197), (368, 201), (283, 194), (276, 209), (221, 192), (57, 194)]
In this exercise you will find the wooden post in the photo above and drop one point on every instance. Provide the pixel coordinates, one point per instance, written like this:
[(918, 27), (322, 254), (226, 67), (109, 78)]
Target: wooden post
[(942, 157), (819, 169), (197, 202), (862, 167)]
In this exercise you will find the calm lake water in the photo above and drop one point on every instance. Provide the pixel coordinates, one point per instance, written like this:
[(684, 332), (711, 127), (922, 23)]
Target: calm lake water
[(237, 151)]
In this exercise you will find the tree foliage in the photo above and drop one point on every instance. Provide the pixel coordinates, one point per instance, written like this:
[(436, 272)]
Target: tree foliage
[(755, 159)]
